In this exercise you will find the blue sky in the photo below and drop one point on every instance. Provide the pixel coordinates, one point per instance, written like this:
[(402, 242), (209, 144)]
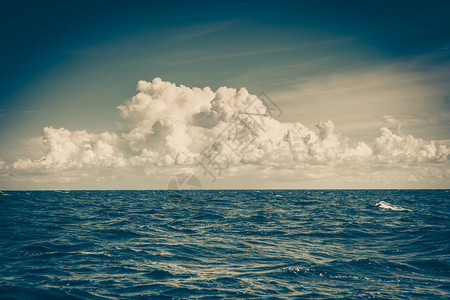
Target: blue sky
[(71, 63)]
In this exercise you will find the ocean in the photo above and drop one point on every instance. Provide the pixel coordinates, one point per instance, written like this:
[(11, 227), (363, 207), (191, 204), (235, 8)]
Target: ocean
[(214, 244)]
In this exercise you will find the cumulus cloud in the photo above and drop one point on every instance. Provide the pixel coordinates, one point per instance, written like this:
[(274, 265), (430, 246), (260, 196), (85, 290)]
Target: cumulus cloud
[(165, 125), (67, 149), (390, 147)]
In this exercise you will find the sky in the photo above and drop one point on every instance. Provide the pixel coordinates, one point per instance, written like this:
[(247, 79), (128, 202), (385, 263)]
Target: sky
[(130, 94)]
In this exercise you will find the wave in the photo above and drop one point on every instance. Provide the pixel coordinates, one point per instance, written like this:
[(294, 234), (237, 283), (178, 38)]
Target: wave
[(385, 205)]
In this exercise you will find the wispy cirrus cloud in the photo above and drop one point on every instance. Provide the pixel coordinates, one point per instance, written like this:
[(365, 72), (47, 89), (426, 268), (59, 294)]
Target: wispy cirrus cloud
[(261, 50), (5, 112)]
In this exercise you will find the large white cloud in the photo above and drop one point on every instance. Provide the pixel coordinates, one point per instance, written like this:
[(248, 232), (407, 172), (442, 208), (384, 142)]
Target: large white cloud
[(391, 147), (166, 125), (66, 149)]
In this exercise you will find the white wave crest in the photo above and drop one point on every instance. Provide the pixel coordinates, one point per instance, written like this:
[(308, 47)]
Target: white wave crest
[(385, 205)]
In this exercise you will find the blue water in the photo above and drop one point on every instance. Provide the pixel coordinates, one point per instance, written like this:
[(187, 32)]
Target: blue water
[(225, 244)]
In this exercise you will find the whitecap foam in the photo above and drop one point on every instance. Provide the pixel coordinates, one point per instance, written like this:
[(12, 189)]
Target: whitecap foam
[(385, 205)]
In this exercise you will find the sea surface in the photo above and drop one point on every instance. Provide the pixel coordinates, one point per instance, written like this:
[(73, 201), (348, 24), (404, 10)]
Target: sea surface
[(270, 244)]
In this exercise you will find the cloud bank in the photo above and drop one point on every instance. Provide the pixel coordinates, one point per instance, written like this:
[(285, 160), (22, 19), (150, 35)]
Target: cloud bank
[(226, 132)]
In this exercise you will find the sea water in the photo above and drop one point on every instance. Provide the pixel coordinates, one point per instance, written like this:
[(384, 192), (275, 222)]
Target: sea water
[(271, 244)]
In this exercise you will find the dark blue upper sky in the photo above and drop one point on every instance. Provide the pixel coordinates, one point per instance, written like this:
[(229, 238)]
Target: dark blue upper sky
[(37, 35)]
